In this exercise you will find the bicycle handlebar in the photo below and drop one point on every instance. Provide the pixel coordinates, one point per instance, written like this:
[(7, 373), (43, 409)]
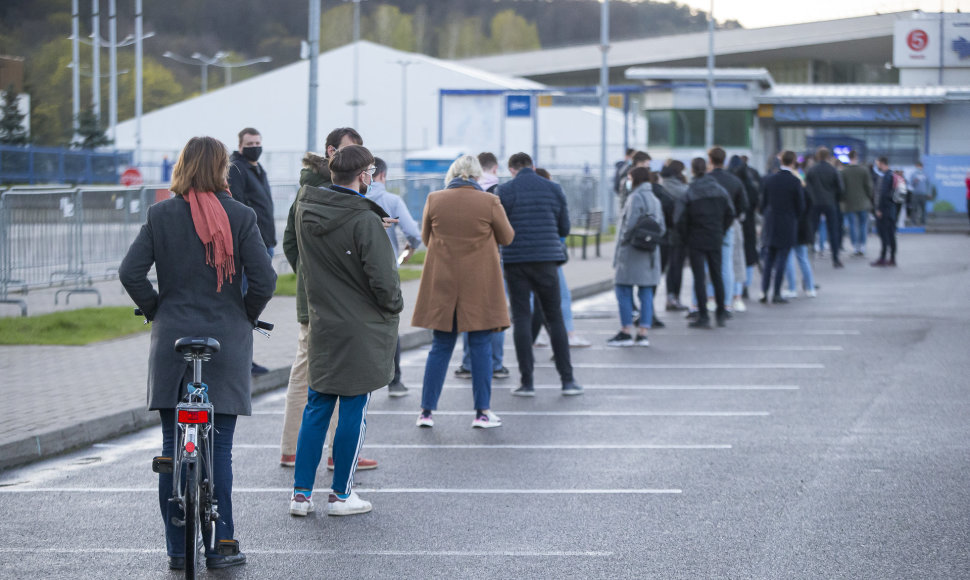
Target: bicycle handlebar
[(259, 324)]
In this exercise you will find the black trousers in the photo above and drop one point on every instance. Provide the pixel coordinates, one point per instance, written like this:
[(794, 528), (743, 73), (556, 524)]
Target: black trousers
[(833, 221), (675, 269), (776, 260), (713, 260), (542, 280), (886, 227)]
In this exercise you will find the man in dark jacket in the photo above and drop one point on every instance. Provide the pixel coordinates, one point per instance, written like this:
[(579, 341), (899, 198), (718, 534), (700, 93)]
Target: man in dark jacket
[(354, 298), (824, 184), (537, 210), (885, 214), (782, 204), (249, 185), (702, 218), (739, 199)]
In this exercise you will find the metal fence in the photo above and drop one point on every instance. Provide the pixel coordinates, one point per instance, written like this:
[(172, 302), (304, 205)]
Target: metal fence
[(51, 164), (57, 236)]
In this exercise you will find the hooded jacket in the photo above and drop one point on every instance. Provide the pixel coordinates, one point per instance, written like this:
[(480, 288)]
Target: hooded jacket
[(353, 291), (705, 214), (316, 174)]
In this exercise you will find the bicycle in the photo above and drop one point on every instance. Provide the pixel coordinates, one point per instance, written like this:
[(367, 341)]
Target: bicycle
[(192, 479)]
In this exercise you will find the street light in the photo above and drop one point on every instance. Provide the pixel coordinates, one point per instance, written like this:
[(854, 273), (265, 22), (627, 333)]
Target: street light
[(404, 106), (219, 59)]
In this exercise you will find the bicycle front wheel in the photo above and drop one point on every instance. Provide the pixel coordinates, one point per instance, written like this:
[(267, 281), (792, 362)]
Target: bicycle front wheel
[(191, 519)]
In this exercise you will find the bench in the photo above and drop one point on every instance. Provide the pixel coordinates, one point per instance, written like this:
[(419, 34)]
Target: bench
[(590, 227)]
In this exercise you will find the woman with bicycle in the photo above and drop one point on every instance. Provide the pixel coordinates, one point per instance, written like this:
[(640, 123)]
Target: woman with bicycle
[(201, 242)]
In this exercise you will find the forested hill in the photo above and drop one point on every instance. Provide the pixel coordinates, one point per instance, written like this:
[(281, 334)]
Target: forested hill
[(38, 30)]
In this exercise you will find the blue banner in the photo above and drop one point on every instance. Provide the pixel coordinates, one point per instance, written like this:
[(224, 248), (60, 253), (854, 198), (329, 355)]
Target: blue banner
[(842, 113), (949, 174)]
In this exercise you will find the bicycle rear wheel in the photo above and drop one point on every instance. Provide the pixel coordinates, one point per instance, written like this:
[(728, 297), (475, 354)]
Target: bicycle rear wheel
[(191, 519)]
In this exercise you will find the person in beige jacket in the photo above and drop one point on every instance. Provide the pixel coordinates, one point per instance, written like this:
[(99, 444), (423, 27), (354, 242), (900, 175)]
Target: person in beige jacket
[(461, 286)]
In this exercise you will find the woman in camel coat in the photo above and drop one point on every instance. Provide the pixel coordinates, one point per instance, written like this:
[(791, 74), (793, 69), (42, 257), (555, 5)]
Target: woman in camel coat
[(461, 287)]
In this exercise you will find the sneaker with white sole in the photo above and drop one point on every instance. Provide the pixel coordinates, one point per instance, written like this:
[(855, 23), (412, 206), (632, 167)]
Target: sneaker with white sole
[(641, 340), (300, 505), (347, 507), (579, 342), (739, 306), (620, 339), (487, 420), (425, 420), (789, 294), (811, 293), (501, 373)]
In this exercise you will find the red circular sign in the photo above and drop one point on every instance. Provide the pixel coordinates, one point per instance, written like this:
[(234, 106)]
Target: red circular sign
[(131, 177), (917, 39)]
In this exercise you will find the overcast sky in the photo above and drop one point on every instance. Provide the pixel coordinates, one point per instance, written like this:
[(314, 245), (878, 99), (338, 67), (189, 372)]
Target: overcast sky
[(758, 13)]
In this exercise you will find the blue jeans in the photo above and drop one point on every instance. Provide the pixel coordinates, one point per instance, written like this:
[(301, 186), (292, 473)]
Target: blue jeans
[(800, 254), (727, 267), (624, 299), (224, 427), (858, 224), (435, 369), (347, 441), (565, 302), (498, 346)]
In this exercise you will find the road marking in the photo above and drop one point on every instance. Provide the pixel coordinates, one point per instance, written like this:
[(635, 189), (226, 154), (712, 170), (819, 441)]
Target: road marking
[(574, 413), (650, 387), (319, 552), (756, 348), (684, 366), (511, 446), (743, 332), (427, 490)]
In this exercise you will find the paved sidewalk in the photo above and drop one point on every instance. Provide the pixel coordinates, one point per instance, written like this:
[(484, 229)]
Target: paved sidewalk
[(57, 398)]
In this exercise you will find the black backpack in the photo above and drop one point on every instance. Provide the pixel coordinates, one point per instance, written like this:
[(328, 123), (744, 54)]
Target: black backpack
[(645, 235)]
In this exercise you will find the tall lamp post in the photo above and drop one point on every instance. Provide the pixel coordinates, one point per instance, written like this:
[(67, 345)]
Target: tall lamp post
[(604, 101), (313, 52), (198, 59), (404, 106), (709, 110), (356, 102)]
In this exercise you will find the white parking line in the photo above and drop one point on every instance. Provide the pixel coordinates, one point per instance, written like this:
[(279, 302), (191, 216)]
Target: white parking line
[(683, 366), (320, 552), (426, 490), (512, 446), (574, 413)]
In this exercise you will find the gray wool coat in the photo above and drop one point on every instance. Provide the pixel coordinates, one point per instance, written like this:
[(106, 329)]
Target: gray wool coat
[(187, 304), (636, 267)]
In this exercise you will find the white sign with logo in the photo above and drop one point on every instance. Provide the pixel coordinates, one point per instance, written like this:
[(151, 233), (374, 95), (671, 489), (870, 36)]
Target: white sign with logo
[(917, 42)]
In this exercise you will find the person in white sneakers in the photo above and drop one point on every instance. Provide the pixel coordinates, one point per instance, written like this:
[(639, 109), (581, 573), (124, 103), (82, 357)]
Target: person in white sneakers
[(354, 299)]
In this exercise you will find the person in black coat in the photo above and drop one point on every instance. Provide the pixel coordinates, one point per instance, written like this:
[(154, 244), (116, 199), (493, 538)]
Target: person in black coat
[(752, 186), (885, 214), (824, 184), (200, 242), (782, 204)]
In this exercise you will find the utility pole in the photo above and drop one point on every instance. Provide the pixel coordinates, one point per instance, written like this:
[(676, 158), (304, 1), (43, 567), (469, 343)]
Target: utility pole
[(96, 59), (356, 102), (75, 66), (138, 80), (313, 36), (606, 202), (709, 111), (404, 106), (113, 68)]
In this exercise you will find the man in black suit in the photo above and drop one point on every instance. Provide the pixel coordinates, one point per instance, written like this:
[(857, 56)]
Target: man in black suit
[(782, 204)]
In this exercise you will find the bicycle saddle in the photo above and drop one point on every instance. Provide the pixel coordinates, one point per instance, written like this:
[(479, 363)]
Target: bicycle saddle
[(197, 344)]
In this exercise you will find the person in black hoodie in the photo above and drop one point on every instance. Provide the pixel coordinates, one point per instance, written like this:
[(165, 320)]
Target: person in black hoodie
[(703, 217), (739, 199), (752, 186), (824, 184), (249, 185)]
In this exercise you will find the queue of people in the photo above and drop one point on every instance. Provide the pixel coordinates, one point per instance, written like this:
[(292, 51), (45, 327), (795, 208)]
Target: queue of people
[(494, 257)]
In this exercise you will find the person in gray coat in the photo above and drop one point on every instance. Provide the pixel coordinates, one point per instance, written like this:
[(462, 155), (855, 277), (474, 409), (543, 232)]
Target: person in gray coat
[(201, 241), (636, 267)]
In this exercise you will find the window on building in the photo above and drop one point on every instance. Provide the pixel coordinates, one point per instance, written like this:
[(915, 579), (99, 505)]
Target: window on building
[(685, 128)]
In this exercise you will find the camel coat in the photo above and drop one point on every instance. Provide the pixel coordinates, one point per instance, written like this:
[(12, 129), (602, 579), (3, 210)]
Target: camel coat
[(462, 228)]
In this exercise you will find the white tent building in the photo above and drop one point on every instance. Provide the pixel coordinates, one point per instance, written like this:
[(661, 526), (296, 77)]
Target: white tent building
[(475, 120)]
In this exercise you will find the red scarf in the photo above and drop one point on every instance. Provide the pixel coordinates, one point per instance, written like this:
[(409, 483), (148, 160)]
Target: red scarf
[(212, 226)]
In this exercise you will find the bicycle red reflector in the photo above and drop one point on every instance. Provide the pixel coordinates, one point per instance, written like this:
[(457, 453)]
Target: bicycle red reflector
[(189, 447), (193, 416)]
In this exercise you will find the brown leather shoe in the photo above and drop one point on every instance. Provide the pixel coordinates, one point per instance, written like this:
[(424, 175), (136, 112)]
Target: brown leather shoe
[(362, 464)]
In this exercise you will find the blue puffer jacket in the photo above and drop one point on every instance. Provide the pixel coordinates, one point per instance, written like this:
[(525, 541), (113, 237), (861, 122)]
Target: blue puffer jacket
[(537, 211)]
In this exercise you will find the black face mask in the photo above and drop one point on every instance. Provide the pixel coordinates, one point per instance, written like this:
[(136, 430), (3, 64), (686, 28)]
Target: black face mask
[(252, 153)]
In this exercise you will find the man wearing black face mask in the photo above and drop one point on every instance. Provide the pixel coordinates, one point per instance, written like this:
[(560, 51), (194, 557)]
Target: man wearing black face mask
[(248, 184)]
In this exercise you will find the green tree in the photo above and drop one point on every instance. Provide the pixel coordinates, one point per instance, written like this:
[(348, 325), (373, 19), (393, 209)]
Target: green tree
[(90, 133), (12, 130), (337, 27), (389, 27), (159, 87), (48, 80), (512, 33), (459, 38)]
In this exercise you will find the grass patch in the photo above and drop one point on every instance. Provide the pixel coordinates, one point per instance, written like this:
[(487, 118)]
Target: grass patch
[(72, 327), (286, 285), (418, 258), (408, 274)]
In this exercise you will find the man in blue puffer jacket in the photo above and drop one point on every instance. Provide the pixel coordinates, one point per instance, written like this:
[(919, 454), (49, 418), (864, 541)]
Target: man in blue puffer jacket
[(537, 210)]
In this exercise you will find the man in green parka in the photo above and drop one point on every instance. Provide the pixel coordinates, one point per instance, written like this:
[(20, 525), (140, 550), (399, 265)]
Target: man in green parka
[(354, 297)]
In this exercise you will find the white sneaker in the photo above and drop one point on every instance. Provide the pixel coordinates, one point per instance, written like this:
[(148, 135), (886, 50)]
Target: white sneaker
[(739, 305), (425, 421), (347, 507), (488, 421), (579, 342), (789, 294), (300, 505), (811, 293), (711, 305), (542, 340)]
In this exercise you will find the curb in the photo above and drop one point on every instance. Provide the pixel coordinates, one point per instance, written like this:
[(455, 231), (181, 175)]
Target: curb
[(62, 440)]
